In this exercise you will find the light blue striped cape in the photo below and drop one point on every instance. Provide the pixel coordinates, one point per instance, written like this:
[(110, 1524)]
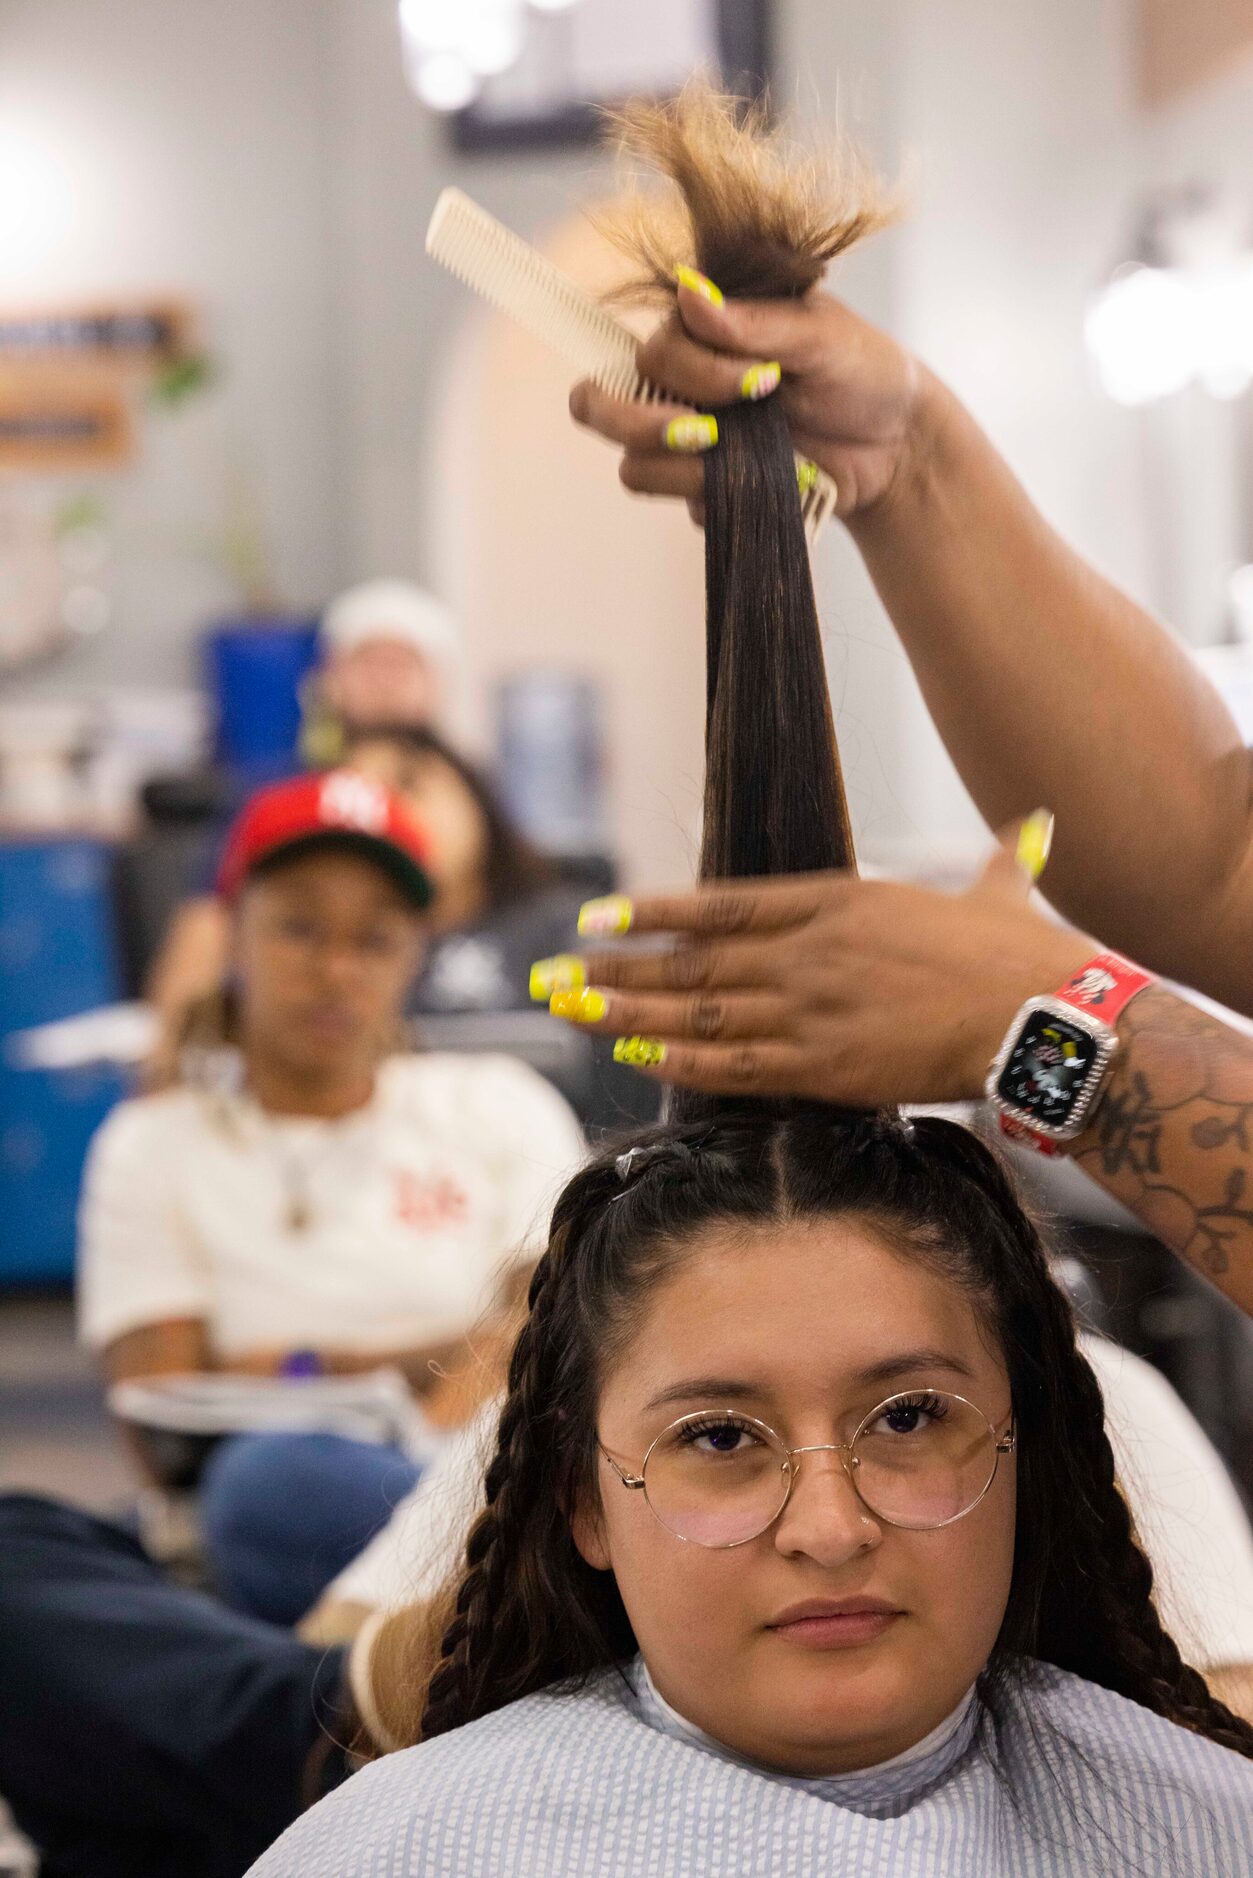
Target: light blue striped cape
[(1068, 1781)]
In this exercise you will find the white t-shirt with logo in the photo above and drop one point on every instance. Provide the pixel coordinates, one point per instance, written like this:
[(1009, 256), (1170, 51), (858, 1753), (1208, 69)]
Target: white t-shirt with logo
[(383, 1230)]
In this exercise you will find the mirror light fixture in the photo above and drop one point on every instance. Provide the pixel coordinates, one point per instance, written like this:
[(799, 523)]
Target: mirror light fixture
[(1180, 313), (451, 46)]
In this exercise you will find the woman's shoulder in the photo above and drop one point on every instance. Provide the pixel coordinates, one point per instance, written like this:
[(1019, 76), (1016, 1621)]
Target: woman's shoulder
[(403, 1813), (1101, 1718), (143, 1123), (1127, 1749)]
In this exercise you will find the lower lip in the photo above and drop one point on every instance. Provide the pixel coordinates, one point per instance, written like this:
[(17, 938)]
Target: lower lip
[(839, 1631), (328, 1023)]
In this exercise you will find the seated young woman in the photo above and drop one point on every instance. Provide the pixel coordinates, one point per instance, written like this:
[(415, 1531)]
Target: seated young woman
[(802, 1548), (317, 1198)]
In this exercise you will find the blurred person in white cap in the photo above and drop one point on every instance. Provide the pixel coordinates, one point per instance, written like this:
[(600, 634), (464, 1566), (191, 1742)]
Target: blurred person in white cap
[(389, 654)]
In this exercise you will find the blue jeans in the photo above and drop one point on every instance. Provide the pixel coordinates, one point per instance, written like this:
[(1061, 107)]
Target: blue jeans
[(148, 1732), (283, 1514)]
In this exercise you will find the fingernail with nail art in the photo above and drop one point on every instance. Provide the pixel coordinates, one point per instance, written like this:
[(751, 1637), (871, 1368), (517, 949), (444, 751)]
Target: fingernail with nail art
[(1035, 838), (607, 917), (640, 1052), (696, 282), (690, 435), (563, 973), (579, 1007), (760, 380)]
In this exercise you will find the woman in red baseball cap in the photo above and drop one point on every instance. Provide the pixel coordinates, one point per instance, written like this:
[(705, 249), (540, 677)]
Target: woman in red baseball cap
[(316, 1199)]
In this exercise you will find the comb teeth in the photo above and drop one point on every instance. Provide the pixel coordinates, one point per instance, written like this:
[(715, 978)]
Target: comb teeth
[(518, 280), (818, 500), (513, 277)]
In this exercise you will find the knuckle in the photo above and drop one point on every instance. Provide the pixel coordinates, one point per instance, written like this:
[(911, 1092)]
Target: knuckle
[(632, 474), (707, 1018), (689, 968), (746, 1066), (729, 912), (658, 349)]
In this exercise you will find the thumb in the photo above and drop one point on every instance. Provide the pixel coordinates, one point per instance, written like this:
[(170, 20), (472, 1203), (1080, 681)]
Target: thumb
[(1019, 857)]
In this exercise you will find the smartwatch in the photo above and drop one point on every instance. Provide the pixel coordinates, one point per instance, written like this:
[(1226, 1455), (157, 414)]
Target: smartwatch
[(1048, 1075)]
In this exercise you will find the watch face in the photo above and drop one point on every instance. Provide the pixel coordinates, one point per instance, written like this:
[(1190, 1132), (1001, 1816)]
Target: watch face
[(1048, 1068)]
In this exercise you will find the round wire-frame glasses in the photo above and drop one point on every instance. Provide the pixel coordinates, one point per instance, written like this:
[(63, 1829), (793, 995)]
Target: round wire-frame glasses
[(931, 1464)]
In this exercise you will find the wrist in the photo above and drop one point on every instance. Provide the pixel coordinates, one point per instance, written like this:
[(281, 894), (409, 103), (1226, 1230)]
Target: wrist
[(1035, 972), (919, 467)]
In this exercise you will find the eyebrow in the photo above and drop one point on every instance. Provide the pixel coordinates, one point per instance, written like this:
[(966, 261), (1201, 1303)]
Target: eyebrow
[(741, 1389)]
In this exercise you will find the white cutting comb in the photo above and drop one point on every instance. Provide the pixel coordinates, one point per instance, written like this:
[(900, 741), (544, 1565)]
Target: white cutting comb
[(518, 280)]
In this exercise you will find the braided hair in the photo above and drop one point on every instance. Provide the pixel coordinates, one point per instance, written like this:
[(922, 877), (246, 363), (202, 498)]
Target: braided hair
[(529, 1613)]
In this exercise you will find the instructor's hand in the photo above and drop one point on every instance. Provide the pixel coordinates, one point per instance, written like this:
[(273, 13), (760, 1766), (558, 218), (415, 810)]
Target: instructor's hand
[(855, 401), (864, 993)]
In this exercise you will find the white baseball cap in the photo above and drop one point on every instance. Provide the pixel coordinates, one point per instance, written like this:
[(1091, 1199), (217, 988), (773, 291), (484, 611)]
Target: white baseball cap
[(391, 609)]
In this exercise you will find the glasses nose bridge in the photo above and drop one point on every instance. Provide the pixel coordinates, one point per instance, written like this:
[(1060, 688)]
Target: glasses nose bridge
[(847, 1472), (843, 1448)]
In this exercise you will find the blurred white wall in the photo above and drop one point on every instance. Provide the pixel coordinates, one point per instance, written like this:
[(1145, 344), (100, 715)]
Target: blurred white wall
[(1016, 138), (266, 158), (155, 148)]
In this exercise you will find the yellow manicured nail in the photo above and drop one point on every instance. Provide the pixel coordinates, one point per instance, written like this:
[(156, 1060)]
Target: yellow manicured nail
[(696, 282), (607, 917), (690, 435), (806, 475), (579, 1007), (1035, 838), (563, 973), (639, 1052), (760, 380)]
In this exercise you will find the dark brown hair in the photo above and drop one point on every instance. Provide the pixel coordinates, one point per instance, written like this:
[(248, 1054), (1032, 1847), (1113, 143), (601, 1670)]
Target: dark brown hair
[(529, 1612)]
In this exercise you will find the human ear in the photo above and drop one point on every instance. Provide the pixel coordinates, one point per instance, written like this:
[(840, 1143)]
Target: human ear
[(587, 1529), (413, 953)]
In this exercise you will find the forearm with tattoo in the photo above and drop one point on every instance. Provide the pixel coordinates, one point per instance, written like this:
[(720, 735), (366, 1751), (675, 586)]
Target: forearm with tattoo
[(1173, 1136)]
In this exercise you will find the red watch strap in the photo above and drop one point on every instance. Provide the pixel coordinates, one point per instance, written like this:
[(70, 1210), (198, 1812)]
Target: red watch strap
[(1028, 1138), (1105, 986)]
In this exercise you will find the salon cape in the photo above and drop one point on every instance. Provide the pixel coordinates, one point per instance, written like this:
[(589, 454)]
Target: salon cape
[(610, 1782)]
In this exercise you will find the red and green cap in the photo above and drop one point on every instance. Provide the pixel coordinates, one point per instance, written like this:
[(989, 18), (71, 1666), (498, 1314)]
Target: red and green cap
[(337, 809)]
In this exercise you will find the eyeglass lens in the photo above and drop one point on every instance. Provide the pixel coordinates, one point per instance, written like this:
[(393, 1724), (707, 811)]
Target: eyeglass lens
[(919, 1460)]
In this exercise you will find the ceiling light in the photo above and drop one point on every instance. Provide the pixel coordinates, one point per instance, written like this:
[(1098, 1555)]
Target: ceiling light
[(1140, 333), (444, 81), (491, 38)]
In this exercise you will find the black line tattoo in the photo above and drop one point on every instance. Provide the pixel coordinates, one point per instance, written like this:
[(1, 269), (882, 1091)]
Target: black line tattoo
[(1173, 1136)]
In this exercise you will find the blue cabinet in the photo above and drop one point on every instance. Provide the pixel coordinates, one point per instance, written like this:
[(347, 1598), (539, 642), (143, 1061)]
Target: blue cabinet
[(58, 957), (255, 670)]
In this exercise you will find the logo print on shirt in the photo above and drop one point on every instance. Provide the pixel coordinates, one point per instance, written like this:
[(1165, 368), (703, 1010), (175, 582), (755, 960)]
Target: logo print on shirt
[(428, 1204), (353, 801)]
